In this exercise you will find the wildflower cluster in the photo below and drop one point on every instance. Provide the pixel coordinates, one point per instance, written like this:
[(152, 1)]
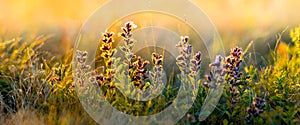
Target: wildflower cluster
[(257, 107), (157, 72), (187, 65), (104, 77), (106, 48), (80, 76), (136, 65), (107, 52), (232, 66), (183, 59), (83, 73), (128, 41), (216, 74), (31, 79), (138, 72), (196, 61), (234, 76)]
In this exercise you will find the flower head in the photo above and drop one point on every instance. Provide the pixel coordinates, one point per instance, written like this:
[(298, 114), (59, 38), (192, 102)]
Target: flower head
[(195, 64), (185, 50), (257, 107), (157, 59), (232, 66), (216, 74)]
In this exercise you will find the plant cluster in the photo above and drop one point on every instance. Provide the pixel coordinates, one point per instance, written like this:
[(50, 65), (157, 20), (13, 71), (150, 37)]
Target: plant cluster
[(32, 81), (35, 86), (257, 107)]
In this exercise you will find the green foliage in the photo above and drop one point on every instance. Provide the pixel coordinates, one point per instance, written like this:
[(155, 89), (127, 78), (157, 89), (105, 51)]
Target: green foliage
[(32, 79)]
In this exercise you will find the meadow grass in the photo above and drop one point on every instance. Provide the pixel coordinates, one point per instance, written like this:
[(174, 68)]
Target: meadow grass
[(38, 88)]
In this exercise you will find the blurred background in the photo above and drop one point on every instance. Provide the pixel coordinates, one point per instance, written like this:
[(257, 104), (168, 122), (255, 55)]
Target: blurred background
[(238, 21)]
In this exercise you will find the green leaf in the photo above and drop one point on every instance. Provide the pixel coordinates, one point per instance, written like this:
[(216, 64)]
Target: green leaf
[(225, 122), (228, 114)]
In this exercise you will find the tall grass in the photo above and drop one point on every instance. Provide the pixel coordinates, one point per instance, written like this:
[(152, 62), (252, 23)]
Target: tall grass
[(38, 88), (35, 84)]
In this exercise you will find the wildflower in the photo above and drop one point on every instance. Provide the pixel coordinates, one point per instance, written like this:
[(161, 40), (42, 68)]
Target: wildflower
[(157, 59), (232, 65), (81, 56), (80, 73), (216, 74), (183, 59), (107, 37), (196, 61), (234, 76), (127, 35), (257, 107), (100, 78), (128, 45), (107, 54), (106, 47), (139, 73), (129, 26), (157, 73)]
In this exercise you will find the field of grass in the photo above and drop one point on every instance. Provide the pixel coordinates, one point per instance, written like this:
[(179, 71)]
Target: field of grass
[(37, 87), (44, 78)]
